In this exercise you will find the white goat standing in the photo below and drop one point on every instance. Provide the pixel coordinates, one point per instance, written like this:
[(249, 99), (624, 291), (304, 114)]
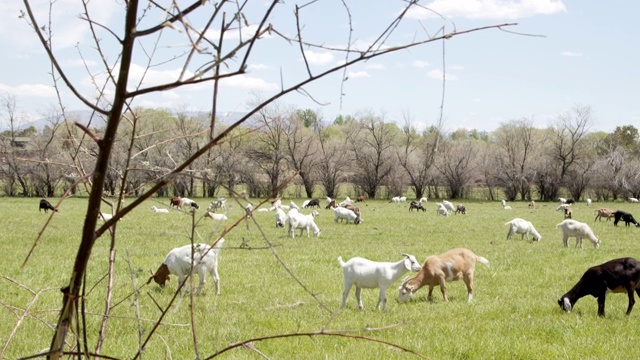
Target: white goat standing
[(179, 260), (572, 228), (441, 210), (297, 220), (449, 205), (367, 274), (344, 213), (524, 227), (423, 199), (281, 218)]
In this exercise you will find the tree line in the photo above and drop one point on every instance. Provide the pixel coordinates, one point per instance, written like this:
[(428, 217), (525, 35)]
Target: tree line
[(364, 153)]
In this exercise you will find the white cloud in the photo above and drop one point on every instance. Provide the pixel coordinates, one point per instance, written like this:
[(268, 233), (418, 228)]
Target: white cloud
[(420, 64), (318, 58), (571, 54), (252, 67), (488, 9), (438, 75), (376, 66), (23, 90), (245, 82), (358, 74)]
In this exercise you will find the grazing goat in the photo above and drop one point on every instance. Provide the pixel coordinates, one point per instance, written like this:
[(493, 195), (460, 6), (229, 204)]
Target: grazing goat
[(347, 201), (281, 218), (617, 275), (331, 204), (572, 228), (217, 204), (449, 205), (175, 201), (604, 213), (633, 200), (416, 205), (395, 199), (562, 207), (461, 209), (188, 202), (312, 204), (568, 213), (562, 200), (214, 216), (438, 269), (300, 221), (344, 213), (524, 227), (441, 210), (367, 274), (360, 198), (44, 204), (532, 204), (353, 208), (179, 260), (625, 216), (423, 199), (589, 202), (159, 210)]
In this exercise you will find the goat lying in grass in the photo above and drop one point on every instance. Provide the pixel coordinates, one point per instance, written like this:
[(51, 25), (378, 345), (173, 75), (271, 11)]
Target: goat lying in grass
[(438, 269), (367, 274), (618, 275)]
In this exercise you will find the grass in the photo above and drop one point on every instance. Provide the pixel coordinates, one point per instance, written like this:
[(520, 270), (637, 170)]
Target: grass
[(514, 313)]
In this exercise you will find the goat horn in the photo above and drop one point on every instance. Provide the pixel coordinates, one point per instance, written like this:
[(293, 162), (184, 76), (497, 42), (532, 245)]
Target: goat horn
[(405, 255)]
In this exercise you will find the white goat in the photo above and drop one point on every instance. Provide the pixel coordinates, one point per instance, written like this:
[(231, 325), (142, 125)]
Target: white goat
[(347, 201), (159, 210), (178, 262), (281, 218), (423, 199), (441, 210), (524, 227), (367, 274), (395, 199), (563, 207), (633, 200), (449, 205), (588, 202), (300, 221), (218, 204), (216, 217), (562, 200), (293, 205), (572, 228), (344, 213), (188, 202), (504, 203)]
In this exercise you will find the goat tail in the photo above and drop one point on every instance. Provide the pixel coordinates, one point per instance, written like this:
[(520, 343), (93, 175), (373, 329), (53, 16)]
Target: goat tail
[(342, 263), (484, 261)]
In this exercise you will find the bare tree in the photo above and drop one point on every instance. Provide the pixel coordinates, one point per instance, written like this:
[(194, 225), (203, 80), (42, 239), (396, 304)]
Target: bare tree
[(141, 33), (457, 165), (301, 148), (333, 160), (515, 141), (417, 155)]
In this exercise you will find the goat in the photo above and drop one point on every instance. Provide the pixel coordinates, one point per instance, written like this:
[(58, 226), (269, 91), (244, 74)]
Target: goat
[(604, 212), (626, 217), (159, 210), (175, 201), (562, 200), (395, 199), (367, 274), (281, 218), (441, 210), (505, 206), (44, 204), (461, 209), (617, 275), (353, 208), (179, 261), (300, 221), (572, 228), (360, 198), (438, 269), (524, 227), (423, 199), (532, 204), (416, 205), (214, 216), (312, 204), (188, 202), (562, 207), (331, 204), (449, 206), (344, 213), (633, 200), (568, 212), (220, 203), (589, 202), (347, 201)]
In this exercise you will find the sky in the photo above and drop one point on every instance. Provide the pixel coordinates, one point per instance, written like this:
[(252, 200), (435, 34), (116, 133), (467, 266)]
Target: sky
[(559, 55)]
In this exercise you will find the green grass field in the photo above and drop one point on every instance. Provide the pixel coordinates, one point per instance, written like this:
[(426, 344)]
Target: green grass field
[(514, 313)]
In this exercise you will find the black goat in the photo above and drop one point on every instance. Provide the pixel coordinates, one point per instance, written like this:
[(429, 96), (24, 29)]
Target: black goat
[(416, 205), (461, 209), (618, 275), (312, 204), (625, 216), (44, 204)]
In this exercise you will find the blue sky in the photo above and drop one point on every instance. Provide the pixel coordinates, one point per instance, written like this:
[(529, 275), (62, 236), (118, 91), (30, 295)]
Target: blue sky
[(584, 53)]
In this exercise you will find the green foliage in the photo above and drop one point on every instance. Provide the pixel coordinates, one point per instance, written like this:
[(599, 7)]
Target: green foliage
[(514, 313)]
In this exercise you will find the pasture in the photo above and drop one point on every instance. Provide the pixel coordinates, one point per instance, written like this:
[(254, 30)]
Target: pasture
[(514, 313)]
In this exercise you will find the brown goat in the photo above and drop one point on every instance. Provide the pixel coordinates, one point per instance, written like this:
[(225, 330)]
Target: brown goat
[(604, 213), (568, 212), (360, 198), (532, 204), (438, 269), (331, 205), (353, 208), (176, 201)]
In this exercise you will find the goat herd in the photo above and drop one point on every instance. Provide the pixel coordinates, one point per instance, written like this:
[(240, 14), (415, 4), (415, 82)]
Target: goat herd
[(618, 275)]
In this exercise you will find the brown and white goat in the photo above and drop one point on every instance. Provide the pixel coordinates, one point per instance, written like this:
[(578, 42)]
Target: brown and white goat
[(176, 201), (604, 213), (438, 269), (617, 275), (532, 204)]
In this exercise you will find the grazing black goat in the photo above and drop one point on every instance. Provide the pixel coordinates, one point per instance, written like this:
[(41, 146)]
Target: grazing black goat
[(416, 205), (312, 204), (44, 204), (625, 216), (618, 275), (461, 209)]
